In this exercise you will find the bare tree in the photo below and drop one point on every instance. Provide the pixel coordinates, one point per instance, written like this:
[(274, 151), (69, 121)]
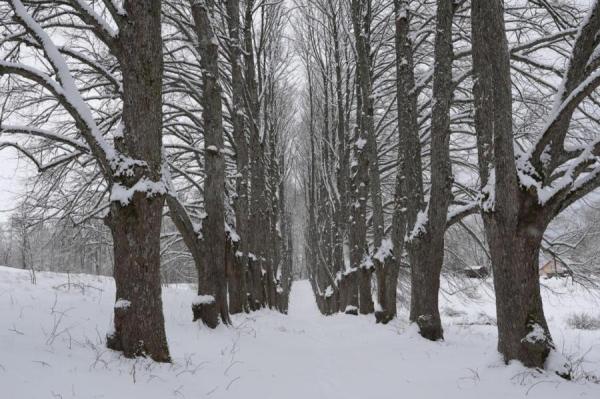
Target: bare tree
[(132, 165), (523, 192)]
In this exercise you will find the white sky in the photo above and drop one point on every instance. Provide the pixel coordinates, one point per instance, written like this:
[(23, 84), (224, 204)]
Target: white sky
[(12, 180)]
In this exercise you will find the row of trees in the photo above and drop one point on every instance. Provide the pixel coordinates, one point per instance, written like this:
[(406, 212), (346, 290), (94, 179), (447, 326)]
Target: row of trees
[(135, 110), (425, 115)]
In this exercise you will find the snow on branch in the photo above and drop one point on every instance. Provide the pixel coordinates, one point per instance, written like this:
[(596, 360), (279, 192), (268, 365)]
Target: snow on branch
[(123, 194), (101, 27), (32, 131), (66, 92), (460, 212), (579, 81), (66, 89)]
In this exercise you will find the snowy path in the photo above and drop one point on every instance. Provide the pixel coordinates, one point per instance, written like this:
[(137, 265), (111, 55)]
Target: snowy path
[(51, 346), (302, 301)]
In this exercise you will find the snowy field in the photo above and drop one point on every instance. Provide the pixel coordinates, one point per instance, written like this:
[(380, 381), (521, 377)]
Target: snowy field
[(52, 346)]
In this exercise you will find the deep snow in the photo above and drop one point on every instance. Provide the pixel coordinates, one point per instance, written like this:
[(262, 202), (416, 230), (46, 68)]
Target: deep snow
[(52, 346)]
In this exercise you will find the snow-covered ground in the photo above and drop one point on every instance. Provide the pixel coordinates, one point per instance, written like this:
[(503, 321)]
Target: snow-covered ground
[(52, 346)]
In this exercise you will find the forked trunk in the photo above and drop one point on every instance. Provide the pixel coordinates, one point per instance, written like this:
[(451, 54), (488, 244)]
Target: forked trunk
[(139, 322)]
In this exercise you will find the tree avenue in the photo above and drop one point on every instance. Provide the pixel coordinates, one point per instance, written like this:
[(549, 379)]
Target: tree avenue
[(369, 146)]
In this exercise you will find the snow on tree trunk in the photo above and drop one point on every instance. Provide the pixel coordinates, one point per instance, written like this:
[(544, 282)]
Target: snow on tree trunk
[(426, 242), (238, 299), (135, 225), (213, 281), (138, 328), (513, 218)]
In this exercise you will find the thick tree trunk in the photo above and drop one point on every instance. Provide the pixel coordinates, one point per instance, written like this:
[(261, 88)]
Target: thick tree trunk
[(425, 266), (408, 179), (138, 321), (284, 275), (236, 278), (365, 299), (358, 220), (513, 218), (277, 226), (522, 329), (343, 168), (426, 246), (258, 199), (361, 23), (135, 226), (213, 282), (348, 297), (387, 284), (238, 289)]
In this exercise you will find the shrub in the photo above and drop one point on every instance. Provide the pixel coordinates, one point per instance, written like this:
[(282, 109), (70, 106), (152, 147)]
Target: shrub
[(583, 321)]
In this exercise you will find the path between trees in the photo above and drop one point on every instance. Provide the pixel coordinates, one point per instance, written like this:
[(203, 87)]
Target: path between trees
[(51, 344)]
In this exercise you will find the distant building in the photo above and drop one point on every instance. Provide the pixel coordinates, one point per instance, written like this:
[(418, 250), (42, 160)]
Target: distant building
[(554, 268)]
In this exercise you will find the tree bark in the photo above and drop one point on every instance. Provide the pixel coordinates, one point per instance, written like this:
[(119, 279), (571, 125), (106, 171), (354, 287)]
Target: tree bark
[(426, 244), (238, 291), (139, 321), (425, 266), (408, 175), (349, 295), (513, 219), (343, 168), (523, 332), (236, 278), (361, 22), (213, 282), (258, 200)]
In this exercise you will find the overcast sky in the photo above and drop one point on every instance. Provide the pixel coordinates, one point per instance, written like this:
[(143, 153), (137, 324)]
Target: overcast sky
[(12, 184)]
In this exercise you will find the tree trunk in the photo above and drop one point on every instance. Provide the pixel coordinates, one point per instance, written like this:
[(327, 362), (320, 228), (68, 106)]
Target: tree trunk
[(213, 283), (258, 199), (349, 299), (238, 293), (343, 169), (358, 219), (361, 23), (426, 246), (236, 278), (408, 179), (514, 221), (425, 267), (387, 284), (138, 320), (522, 329)]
